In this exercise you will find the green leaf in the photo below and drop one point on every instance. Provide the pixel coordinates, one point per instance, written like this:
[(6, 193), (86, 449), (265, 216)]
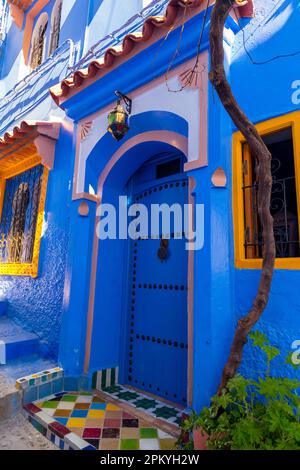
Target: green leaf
[(258, 338), (271, 352)]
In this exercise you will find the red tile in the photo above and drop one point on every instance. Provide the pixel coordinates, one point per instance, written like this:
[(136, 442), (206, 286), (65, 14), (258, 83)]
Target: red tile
[(128, 416), (112, 423), (59, 429), (110, 433), (32, 409), (130, 423), (92, 433)]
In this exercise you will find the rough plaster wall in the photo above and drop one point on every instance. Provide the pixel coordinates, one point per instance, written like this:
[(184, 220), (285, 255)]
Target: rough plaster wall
[(39, 309), (37, 304)]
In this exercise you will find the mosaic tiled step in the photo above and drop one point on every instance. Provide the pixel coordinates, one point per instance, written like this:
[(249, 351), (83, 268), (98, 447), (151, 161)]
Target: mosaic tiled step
[(82, 421), (15, 342), (155, 408), (39, 378)]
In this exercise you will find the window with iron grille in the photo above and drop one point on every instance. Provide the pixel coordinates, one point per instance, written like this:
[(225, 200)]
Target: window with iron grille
[(284, 207), (55, 27), (38, 42), (19, 216)]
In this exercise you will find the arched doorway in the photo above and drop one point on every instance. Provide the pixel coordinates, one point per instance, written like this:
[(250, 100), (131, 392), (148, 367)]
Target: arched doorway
[(107, 320), (154, 356)]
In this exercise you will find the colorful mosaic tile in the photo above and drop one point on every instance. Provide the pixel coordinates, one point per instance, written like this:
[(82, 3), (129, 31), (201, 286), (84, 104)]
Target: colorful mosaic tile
[(39, 378), (90, 423), (155, 408)]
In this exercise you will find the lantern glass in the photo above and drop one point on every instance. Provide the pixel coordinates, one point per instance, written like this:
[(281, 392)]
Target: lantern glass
[(118, 122)]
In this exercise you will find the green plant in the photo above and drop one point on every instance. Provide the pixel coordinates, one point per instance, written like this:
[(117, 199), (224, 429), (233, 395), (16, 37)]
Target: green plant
[(262, 414)]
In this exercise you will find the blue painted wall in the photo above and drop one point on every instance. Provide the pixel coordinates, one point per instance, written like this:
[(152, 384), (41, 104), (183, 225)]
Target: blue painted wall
[(264, 90), (43, 305), (37, 304), (55, 305)]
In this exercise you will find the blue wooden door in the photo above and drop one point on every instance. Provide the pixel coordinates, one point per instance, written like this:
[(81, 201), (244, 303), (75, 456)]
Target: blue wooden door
[(157, 319)]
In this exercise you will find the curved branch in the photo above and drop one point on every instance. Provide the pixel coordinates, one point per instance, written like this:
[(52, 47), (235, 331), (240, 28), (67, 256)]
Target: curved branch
[(263, 158)]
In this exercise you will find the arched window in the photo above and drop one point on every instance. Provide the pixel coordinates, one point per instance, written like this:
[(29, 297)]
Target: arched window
[(55, 26), (38, 41)]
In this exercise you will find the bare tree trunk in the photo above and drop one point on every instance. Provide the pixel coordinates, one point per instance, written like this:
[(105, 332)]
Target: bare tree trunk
[(263, 158)]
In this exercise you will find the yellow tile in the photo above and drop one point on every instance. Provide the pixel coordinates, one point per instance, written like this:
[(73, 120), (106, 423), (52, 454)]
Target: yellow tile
[(111, 407), (78, 431), (167, 444), (96, 414), (109, 444), (76, 423), (130, 433)]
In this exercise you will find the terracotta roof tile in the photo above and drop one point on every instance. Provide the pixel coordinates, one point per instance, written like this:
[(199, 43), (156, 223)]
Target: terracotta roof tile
[(61, 90), (29, 130), (22, 4)]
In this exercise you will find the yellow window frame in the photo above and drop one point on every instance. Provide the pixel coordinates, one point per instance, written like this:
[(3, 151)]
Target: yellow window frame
[(269, 126), (25, 269)]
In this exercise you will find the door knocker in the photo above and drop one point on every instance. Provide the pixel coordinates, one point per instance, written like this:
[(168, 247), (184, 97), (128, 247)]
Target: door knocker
[(163, 251)]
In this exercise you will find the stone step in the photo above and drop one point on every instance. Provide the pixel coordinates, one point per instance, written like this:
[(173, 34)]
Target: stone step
[(3, 307), (10, 397), (15, 342)]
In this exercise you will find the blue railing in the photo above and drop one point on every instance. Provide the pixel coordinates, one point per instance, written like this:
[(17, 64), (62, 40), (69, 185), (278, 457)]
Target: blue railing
[(156, 7), (34, 88)]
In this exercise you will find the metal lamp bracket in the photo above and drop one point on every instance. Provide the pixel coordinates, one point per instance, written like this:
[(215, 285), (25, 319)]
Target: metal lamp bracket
[(126, 99)]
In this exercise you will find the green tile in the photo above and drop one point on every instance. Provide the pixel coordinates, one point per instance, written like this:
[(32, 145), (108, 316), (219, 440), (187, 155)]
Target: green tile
[(128, 396), (50, 404), (148, 433), (88, 394), (94, 380), (72, 398), (114, 389), (130, 444), (145, 403), (166, 412), (103, 378)]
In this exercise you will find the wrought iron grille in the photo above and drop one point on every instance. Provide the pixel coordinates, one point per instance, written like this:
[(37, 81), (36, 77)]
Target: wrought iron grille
[(19, 216), (55, 32), (38, 47), (286, 232)]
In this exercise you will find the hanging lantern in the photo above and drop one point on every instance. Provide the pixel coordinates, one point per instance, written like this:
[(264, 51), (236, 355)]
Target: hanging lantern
[(118, 118)]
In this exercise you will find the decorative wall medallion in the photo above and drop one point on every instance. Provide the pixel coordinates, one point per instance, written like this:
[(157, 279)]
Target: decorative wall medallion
[(83, 209), (219, 179), (85, 129)]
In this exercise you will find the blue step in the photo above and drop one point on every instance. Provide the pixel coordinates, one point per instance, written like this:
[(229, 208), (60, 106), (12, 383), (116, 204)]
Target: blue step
[(3, 307), (15, 342)]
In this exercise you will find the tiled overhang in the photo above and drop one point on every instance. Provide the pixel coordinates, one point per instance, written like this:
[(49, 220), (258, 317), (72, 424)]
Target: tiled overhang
[(27, 140), (60, 91)]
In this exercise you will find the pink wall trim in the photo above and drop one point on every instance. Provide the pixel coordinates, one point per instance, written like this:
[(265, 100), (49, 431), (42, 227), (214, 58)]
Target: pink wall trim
[(30, 17), (46, 140), (202, 85), (17, 15), (172, 138)]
